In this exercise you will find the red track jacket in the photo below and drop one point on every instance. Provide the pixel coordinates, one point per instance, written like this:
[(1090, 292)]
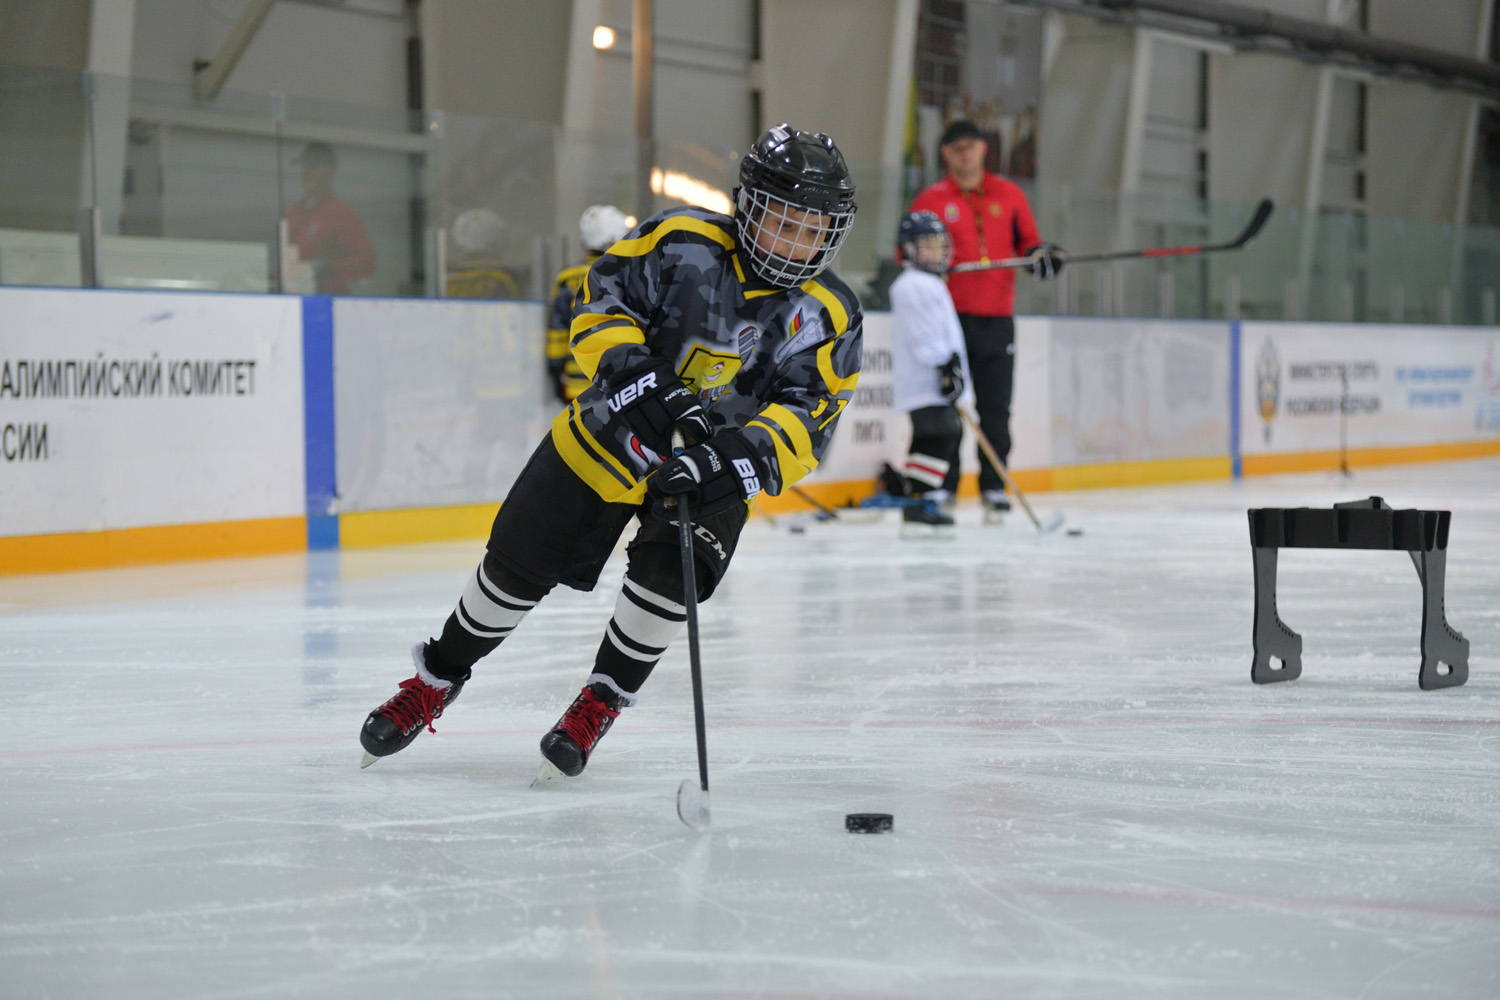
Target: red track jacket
[(990, 223)]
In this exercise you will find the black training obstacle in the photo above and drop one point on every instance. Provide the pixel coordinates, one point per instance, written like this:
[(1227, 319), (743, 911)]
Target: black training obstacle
[(1359, 524)]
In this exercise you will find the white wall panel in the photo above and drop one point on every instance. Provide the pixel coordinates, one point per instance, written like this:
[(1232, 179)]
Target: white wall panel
[(436, 403)]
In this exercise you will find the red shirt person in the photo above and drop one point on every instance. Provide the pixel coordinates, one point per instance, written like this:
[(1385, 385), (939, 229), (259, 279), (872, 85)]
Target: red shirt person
[(988, 218), (326, 233)]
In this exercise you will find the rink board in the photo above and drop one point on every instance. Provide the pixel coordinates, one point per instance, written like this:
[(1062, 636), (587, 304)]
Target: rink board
[(136, 426), (151, 426)]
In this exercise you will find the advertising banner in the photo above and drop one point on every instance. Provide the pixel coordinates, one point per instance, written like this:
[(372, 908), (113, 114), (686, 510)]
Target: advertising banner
[(1306, 387), (872, 431), (133, 409)]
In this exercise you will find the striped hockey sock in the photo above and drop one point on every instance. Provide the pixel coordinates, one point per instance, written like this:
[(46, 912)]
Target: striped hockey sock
[(492, 605), (643, 626)]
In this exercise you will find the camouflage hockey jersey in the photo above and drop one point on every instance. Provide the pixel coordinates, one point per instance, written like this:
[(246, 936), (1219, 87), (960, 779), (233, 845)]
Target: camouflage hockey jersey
[(780, 364)]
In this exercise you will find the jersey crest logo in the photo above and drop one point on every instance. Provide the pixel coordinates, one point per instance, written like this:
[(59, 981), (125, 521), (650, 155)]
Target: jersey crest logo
[(707, 370), (994, 209), (795, 325), (950, 212)]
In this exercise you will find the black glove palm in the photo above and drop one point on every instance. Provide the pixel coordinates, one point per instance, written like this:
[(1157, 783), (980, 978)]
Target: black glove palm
[(652, 400), (951, 378), (1047, 261), (713, 476)]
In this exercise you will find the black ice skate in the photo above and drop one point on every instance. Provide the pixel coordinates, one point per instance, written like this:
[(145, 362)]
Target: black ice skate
[(925, 519), (393, 726), (995, 505), (570, 743)]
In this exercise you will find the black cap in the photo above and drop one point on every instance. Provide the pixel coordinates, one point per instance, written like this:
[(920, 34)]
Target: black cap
[(961, 129), (317, 154)]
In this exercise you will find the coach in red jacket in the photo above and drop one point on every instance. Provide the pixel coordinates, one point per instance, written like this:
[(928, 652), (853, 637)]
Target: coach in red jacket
[(988, 218)]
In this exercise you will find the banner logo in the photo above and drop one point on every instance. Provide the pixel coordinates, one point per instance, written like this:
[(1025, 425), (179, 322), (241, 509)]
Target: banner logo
[(1268, 384)]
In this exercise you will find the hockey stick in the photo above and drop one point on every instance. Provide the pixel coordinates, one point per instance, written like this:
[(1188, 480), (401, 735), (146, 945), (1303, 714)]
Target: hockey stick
[(692, 800), (850, 515), (813, 501), (1262, 213), (1054, 522)]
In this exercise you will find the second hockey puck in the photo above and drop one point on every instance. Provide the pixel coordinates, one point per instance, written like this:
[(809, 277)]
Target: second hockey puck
[(868, 822), (798, 529), (1075, 532)]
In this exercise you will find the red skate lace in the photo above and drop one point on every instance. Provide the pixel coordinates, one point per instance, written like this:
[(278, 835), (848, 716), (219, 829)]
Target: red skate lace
[(584, 719), (417, 704)]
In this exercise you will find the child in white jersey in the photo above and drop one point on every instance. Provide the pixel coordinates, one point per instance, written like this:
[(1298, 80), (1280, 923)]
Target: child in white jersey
[(930, 372)]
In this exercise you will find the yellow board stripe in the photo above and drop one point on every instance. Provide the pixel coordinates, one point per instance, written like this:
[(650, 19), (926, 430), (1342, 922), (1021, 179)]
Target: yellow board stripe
[(1322, 461), (156, 544), (371, 528), (1166, 470), (22, 554)]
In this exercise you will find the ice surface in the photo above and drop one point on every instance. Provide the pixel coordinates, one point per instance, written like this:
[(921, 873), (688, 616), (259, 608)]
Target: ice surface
[(1091, 799)]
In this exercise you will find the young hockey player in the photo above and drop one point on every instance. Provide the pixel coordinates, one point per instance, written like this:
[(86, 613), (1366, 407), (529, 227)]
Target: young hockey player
[(600, 227), (929, 372), (727, 328)]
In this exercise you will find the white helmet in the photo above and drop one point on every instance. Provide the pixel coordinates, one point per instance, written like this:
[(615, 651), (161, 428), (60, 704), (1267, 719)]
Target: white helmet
[(601, 227), (478, 229)]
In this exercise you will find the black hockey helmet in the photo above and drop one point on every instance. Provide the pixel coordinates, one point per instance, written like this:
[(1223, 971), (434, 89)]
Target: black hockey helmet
[(787, 169), (920, 231)]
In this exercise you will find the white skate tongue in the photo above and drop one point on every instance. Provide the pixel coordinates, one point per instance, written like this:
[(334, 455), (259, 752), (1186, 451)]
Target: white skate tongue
[(692, 804)]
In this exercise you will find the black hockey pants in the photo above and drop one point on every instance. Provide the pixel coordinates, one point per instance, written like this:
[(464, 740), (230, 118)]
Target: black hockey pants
[(991, 345)]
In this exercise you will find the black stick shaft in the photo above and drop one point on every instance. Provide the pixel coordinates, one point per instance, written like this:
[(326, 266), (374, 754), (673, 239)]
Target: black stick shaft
[(813, 501), (1262, 213), (695, 661)]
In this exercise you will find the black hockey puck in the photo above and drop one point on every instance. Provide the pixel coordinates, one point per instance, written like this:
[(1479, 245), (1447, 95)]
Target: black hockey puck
[(798, 529), (868, 822), (1075, 532)]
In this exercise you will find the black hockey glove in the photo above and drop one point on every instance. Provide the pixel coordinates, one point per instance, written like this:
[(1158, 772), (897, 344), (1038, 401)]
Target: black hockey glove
[(713, 476), (652, 400), (1046, 261), (951, 378)]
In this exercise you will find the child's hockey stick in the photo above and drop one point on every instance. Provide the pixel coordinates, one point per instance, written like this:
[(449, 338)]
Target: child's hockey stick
[(692, 800), (1053, 522), (1262, 213)]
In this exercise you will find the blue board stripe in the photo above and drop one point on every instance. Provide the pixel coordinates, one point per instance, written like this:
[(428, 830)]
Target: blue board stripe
[(318, 422)]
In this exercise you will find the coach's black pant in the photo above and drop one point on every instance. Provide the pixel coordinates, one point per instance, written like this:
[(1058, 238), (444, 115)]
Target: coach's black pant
[(990, 342)]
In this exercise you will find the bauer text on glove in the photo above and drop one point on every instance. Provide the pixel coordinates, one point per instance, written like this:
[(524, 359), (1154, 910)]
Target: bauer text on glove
[(652, 401), (713, 476)]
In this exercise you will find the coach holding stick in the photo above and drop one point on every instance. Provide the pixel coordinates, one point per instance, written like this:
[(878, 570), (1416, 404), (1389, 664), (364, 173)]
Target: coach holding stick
[(989, 219)]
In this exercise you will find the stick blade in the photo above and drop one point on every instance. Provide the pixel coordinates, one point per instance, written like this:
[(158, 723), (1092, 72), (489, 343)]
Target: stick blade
[(1257, 221), (692, 805), (1052, 522)]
